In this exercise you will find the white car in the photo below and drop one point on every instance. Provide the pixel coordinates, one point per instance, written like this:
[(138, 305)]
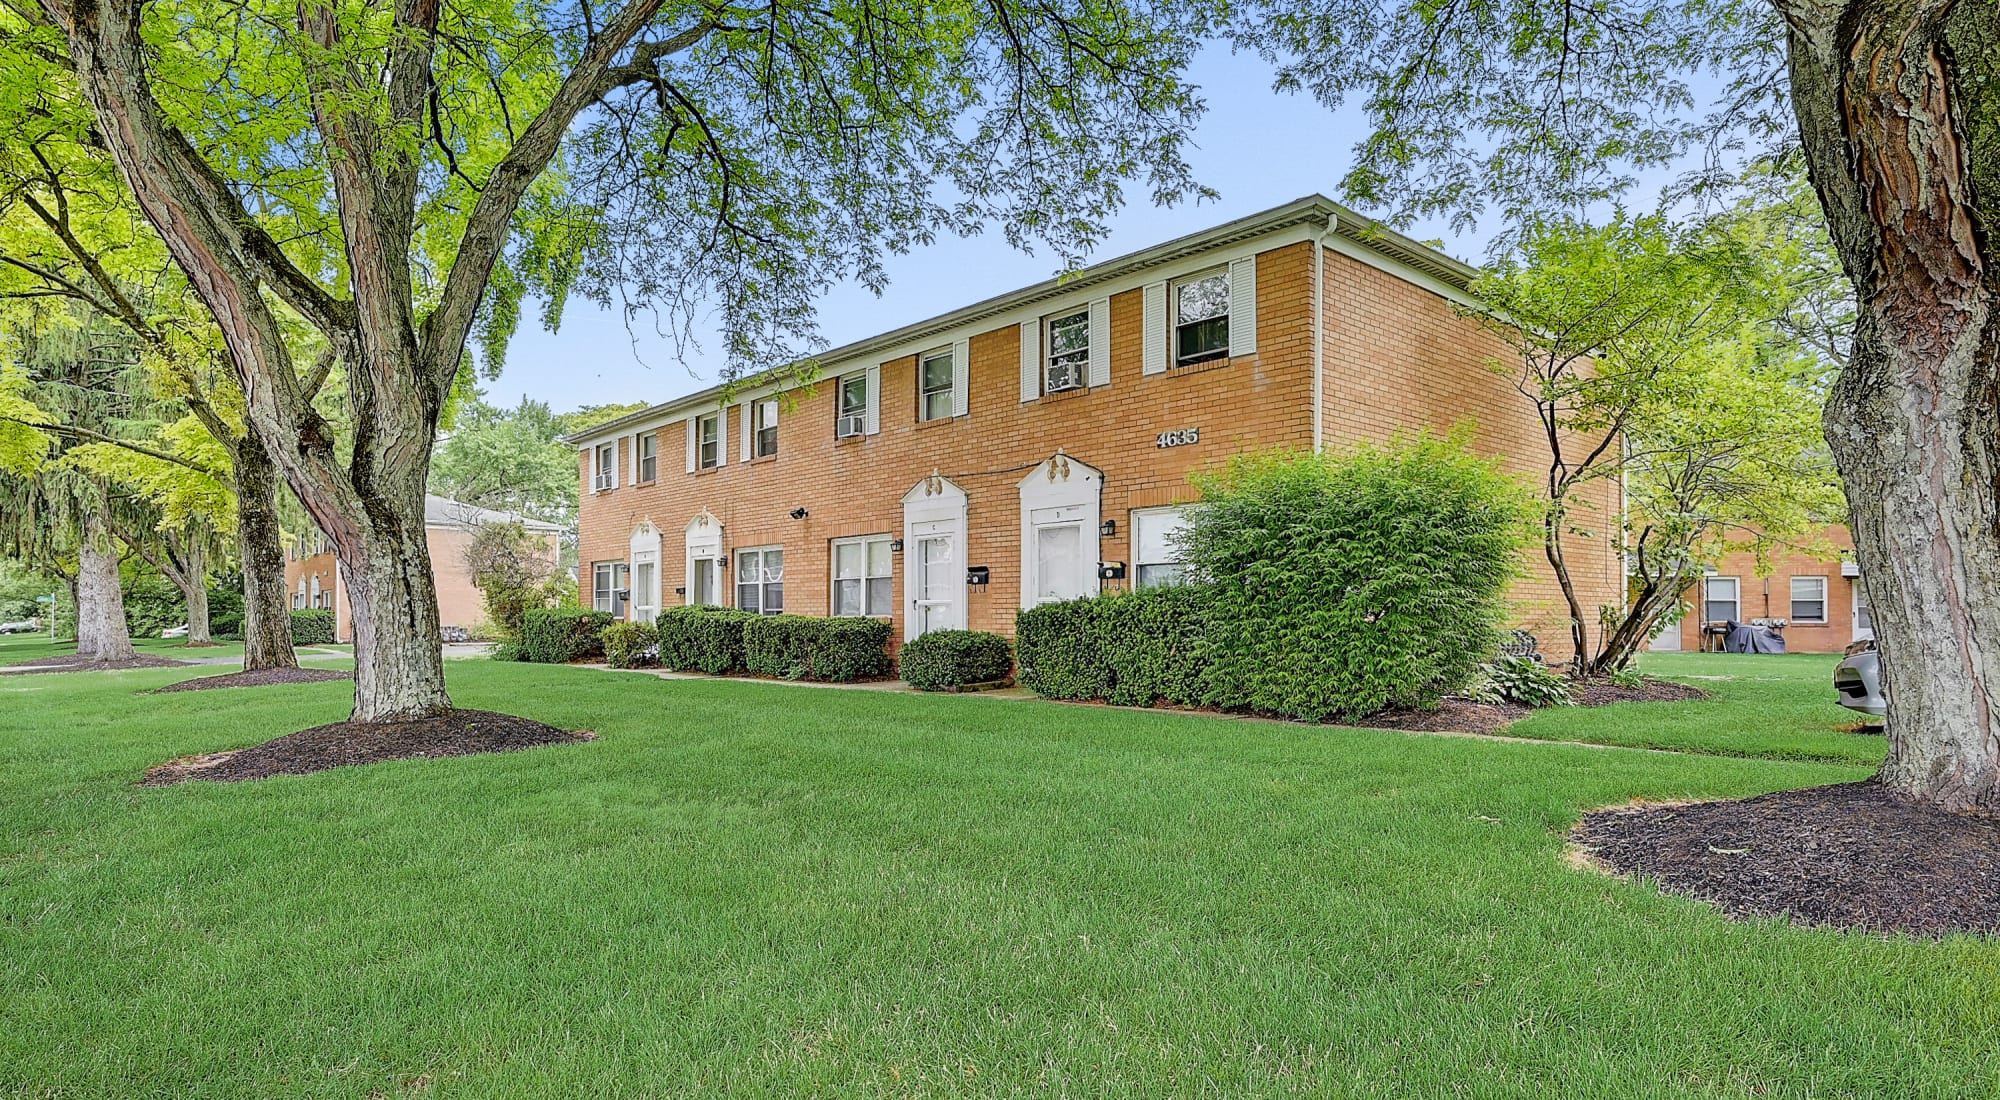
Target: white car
[(24, 626), (1858, 679), (174, 632)]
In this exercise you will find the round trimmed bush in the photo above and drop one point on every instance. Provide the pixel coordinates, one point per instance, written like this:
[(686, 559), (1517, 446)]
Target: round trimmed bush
[(947, 660), (630, 645)]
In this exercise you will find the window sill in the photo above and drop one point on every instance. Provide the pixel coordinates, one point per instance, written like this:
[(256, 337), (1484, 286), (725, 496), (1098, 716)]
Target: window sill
[(849, 440), (758, 460), (923, 424), (1200, 368), (1071, 395)]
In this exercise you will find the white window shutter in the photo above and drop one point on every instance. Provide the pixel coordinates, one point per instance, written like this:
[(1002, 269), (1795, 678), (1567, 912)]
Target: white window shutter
[(749, 429), (1243, 306), (874, 413), (1153, 316), (591, 478), (722, 436), (1031, 360), (633, 461), (1100, 341), (611, 475), (694, 440), (961, 375)]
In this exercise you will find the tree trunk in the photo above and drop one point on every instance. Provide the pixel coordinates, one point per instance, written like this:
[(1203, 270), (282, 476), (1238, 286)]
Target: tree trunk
[(1899, 110), (398, 647), (267, 609), (194, 589), (1552, 549), (101, 633)]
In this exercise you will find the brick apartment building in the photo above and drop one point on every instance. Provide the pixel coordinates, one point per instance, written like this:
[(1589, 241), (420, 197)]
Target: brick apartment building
[(1814, 587), (1037, 445), (313, 576)]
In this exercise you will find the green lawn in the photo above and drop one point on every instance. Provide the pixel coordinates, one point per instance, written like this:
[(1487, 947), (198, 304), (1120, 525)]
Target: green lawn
[(16, 648), (1770, 706), (759, 890)]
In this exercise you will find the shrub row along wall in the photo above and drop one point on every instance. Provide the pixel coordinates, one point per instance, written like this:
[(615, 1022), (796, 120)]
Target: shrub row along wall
[(310, 626), (721, 642), (1335, 586), (559, 635), (946, 660)]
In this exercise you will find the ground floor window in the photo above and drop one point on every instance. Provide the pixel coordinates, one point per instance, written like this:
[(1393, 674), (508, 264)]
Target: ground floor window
[(760, 580), (1721, 600), (1864, 623), (862, 582), (607, 577), (1808, 599), (1156, 550)]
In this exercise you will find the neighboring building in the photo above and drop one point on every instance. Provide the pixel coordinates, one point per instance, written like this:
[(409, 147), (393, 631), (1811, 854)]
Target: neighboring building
[(1813, 588), (1036, 446), (312, 573)]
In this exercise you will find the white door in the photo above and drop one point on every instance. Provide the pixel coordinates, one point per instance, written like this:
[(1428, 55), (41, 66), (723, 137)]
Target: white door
[(1864, 623), (1059, 564), (645, 593), (940, 581), (702, 589)]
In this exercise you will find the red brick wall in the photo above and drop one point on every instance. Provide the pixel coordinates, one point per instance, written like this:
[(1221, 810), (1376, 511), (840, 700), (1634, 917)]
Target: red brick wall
[(459, 603), (1396, 358), (1818, 555)]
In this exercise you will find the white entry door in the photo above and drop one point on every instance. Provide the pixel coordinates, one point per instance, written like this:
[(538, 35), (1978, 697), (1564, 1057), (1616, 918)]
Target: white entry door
[(939, 583)]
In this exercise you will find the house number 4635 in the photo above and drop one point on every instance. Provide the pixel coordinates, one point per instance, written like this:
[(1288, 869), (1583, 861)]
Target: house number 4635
[(1180, 437)]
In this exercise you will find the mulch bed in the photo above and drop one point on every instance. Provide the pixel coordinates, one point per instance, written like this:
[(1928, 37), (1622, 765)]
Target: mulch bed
[(1451, 716), (72, 663), (458, 733), (1849, 855), (1597, 693), (263, 677)]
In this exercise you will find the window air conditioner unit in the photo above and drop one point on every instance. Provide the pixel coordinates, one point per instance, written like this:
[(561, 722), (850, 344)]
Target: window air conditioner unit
[(849, 426), (1065, 376), (602, 481)]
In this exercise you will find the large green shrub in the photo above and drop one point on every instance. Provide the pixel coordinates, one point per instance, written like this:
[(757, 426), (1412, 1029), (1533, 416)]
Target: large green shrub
[(946, 660), (312, 626), (798, 647), (1137, 649), (630, 645), (703, 639), (559, 635), (1349, 582)]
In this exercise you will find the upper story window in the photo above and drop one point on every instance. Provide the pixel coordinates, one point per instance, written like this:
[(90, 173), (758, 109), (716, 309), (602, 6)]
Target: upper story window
[(1068, 341), (607, 466), (862, 577), (764, 428), (708, 441), (1721, 599), (649, 456), (1201, 318), (934, 385), (760, 580), (851, 415), (1808, 599)]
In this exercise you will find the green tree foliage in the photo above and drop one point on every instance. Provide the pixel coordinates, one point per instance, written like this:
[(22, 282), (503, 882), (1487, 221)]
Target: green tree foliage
[(515, 572), (1349, 582), (513, 459)]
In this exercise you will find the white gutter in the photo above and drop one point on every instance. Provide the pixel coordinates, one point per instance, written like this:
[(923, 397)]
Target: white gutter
[(1319, 333)]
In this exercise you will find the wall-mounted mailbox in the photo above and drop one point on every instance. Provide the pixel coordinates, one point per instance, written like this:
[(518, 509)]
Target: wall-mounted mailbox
[(680, 591), (978, 574), (1111, 571)]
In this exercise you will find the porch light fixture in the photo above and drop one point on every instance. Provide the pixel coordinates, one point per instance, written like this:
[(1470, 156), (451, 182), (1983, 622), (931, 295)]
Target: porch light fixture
[(799, 513), (1108, 528), (895, 546)]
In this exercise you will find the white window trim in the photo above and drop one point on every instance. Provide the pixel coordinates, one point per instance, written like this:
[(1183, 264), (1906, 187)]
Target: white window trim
[(833, 575), (756, 429), (611, 593), (1174, 314), (1706, 600), (923, 405), (1825, 597), (840, 412), (604, 466), (1138, 518), (736, 576), (639, 457), (721, 450), (1048, 355)]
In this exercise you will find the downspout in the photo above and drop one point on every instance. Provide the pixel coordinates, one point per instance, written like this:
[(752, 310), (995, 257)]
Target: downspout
[(1319, 333)]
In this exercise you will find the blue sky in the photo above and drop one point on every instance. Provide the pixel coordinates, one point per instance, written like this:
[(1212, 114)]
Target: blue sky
[(1257, 147)]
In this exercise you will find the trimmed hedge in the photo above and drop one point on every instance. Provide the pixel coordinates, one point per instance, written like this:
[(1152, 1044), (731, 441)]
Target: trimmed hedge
[(1137, 649), (559, 635), (800, 647), (702, 639), (630, 645), (312, 626), (946, 660)]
